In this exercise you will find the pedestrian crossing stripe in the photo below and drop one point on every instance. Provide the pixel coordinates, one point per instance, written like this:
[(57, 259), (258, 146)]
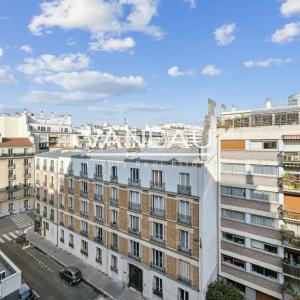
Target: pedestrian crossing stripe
[(9, 236), (1, 240), (13, 235), (22, 221)]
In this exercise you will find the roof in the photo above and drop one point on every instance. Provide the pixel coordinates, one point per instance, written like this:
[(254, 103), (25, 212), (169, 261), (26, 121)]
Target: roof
[(15, 142)]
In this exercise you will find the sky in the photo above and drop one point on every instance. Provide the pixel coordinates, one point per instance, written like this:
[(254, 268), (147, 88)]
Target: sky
[(149, 61)]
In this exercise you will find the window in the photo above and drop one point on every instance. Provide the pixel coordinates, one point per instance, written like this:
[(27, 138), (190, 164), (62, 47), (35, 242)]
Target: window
[(270, 145), (99, 255), (135, 201), (264, 271), (231, 214), (99, 212), (184, 270), (84, 227), (234, 168), (83, 187), (234, 238), (10, 207), (84, 207), (114, 193), (71, 202), (84, 246), (184, 208), (99, 233), (98, 170), (184, 239), (184, 179), (157, 178), (114, 240), (62, 236), (265, 170), (71, 222), (71, 239), (157, 258), (263, 145), (83, 169), (263, 196), (135, 174), (134, 223), (62, 200), (98, 190), (234, 261), (71, 184), (157, 286), (233, 191), (135, 248), (114, 171), (114, 264), (10, 151), (114, 217), (158, 231), (262, 221), (264, 247), (182, 294), (26, 204), (157, 205)]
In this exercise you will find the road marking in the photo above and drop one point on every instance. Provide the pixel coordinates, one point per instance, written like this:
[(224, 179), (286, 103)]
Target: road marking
[(1, 240), (7, 237), (12, 235), (36, 294)]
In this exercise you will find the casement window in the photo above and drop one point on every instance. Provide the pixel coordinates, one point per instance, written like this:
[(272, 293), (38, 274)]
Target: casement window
[(231, 214), (10, 206), (26, 203), (135, 198), (184, 179), (182, 294), (184, 239), (184, 269), (157, 258), (71, 239), (234, 238), (114, 216), (71, 184), (114, 171), (114, 193), (134, 223), (71, 221), (158, 231), (98, 170), (62, 200), (84, 227), (233, 191), (157, 178), (98, 190), (263, 145), (264, 196), (62, 235), (84, 207), (184, 208), (264, 271), (234, 168), (114, 263), (61, 216), (83, 169), (264, 247), (263, 221), (71, 202), (84, 246), (114, 240), (99, 255), (265, 170), (83, 187), (135, 248), (98, 233), (157, 202), (234, 261), (135, 174), (157, 286), (99, 212)]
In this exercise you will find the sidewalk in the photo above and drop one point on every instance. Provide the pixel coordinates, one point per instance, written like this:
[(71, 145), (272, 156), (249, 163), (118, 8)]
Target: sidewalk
[(91, 275)]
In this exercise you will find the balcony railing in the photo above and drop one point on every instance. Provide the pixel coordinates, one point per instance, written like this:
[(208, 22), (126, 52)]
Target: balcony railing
[(134, 182), (184, 280), (61, 170), (84, 252), (83, 194), (98, 198), (37, 196), (114, 224), (157, 240), (134, 206), (98, 239), (114, 178), (98, 219), (62, 205), (184, 189), (157, 185), (71, 190), (11, 166), (98, 176), (184, 250), (184, 219), (83, 174), (37, 210), (45, 199), (114, 201), (134, 231), (114, 269), (71, 227), (157, 267), (83, 232), (51, 202), (158, 292), (157, 212), (61, 188), (291, 270), (62, 223), (84, 214), (12, 176)]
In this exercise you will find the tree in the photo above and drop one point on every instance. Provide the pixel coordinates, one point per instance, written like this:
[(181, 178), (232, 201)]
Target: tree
[(223, 290)]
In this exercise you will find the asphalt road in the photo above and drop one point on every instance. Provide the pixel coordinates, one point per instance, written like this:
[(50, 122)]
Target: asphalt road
[(40, 272)]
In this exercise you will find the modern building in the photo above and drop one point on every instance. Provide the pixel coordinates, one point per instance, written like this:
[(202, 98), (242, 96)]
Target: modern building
[(147, 219), (16, 176), (259, 199), (10, 276)]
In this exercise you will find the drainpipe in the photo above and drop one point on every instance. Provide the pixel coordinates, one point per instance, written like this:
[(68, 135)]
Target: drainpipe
[(56, 198)]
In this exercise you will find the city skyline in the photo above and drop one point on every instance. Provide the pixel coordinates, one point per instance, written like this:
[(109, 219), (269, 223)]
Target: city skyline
[(93, 64)]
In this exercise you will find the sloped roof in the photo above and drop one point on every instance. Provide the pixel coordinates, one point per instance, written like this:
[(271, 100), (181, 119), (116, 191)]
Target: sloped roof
[(15, 142)]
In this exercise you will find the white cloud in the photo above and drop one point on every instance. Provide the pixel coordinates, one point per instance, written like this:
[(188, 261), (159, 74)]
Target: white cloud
[(191, 3), (51, 63), (290, 7), (86, 86), (26, 49), (175, 72), (124, 108), (9, 109), (71, 41), (103, 19), (1, 52), (6, 76), (286, 34), (211, 70), (224, 35), (113, 44), (267, 62)]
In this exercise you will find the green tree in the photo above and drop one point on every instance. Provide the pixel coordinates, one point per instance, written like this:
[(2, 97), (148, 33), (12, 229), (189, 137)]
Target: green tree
[(223, 290)]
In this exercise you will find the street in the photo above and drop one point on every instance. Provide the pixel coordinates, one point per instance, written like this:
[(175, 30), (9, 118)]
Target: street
[(41, 273)]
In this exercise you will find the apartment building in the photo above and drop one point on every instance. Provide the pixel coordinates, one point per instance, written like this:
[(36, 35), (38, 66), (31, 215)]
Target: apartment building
[(16, 176), (257, 152), (146, 219)]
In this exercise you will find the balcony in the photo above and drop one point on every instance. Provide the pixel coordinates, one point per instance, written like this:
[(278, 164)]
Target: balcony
[(98, 198), (83, 194), (291, 270), (98, 219), (184, 219), (98, 176), (291, 158), (134, 182), (71, 209), (37, 182), (134, 206), (37, 210), (134, 231), (184, 189), (290, 182), (83, 174), (114, 224), (84, 214), (98, 239), (11, 176), (84, 233), (51, 169), (132, 255), (51, 185), (84, 252), (158, 212), (154, 185), (37, 196), (71, 227), (157, 267), (158, 292), (184, 250), (11, 187), (184, 280), (27, 175), (158, 240), (114, 201), (114, 178)]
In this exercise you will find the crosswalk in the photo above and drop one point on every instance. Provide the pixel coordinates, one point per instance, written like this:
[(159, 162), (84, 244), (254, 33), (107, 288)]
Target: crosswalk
[(9, 236), (22, 220)]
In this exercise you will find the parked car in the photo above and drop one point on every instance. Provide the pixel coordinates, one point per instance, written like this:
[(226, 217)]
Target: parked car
[(26, 293), (71, 274)]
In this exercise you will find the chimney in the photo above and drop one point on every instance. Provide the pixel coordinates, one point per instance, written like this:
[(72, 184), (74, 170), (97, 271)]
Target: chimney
[(268, 103), (234, 108), (223, 108)]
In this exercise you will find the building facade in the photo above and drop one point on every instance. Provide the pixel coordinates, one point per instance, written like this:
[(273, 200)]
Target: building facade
[(16, 176)]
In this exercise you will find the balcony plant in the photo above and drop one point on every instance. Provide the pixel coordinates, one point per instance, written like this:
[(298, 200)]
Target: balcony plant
[(221, 289)]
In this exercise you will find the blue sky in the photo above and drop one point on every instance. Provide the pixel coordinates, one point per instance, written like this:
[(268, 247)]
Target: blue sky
[(149, 61)]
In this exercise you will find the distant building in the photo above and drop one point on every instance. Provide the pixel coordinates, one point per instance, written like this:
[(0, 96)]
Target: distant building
[(16, 175)]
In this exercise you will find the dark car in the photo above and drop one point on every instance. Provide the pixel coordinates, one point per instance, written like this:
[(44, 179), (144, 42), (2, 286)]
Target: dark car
[(71, 274), (26, 293)]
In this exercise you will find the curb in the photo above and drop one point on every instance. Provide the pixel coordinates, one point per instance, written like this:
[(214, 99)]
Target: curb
[(107, 295)]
